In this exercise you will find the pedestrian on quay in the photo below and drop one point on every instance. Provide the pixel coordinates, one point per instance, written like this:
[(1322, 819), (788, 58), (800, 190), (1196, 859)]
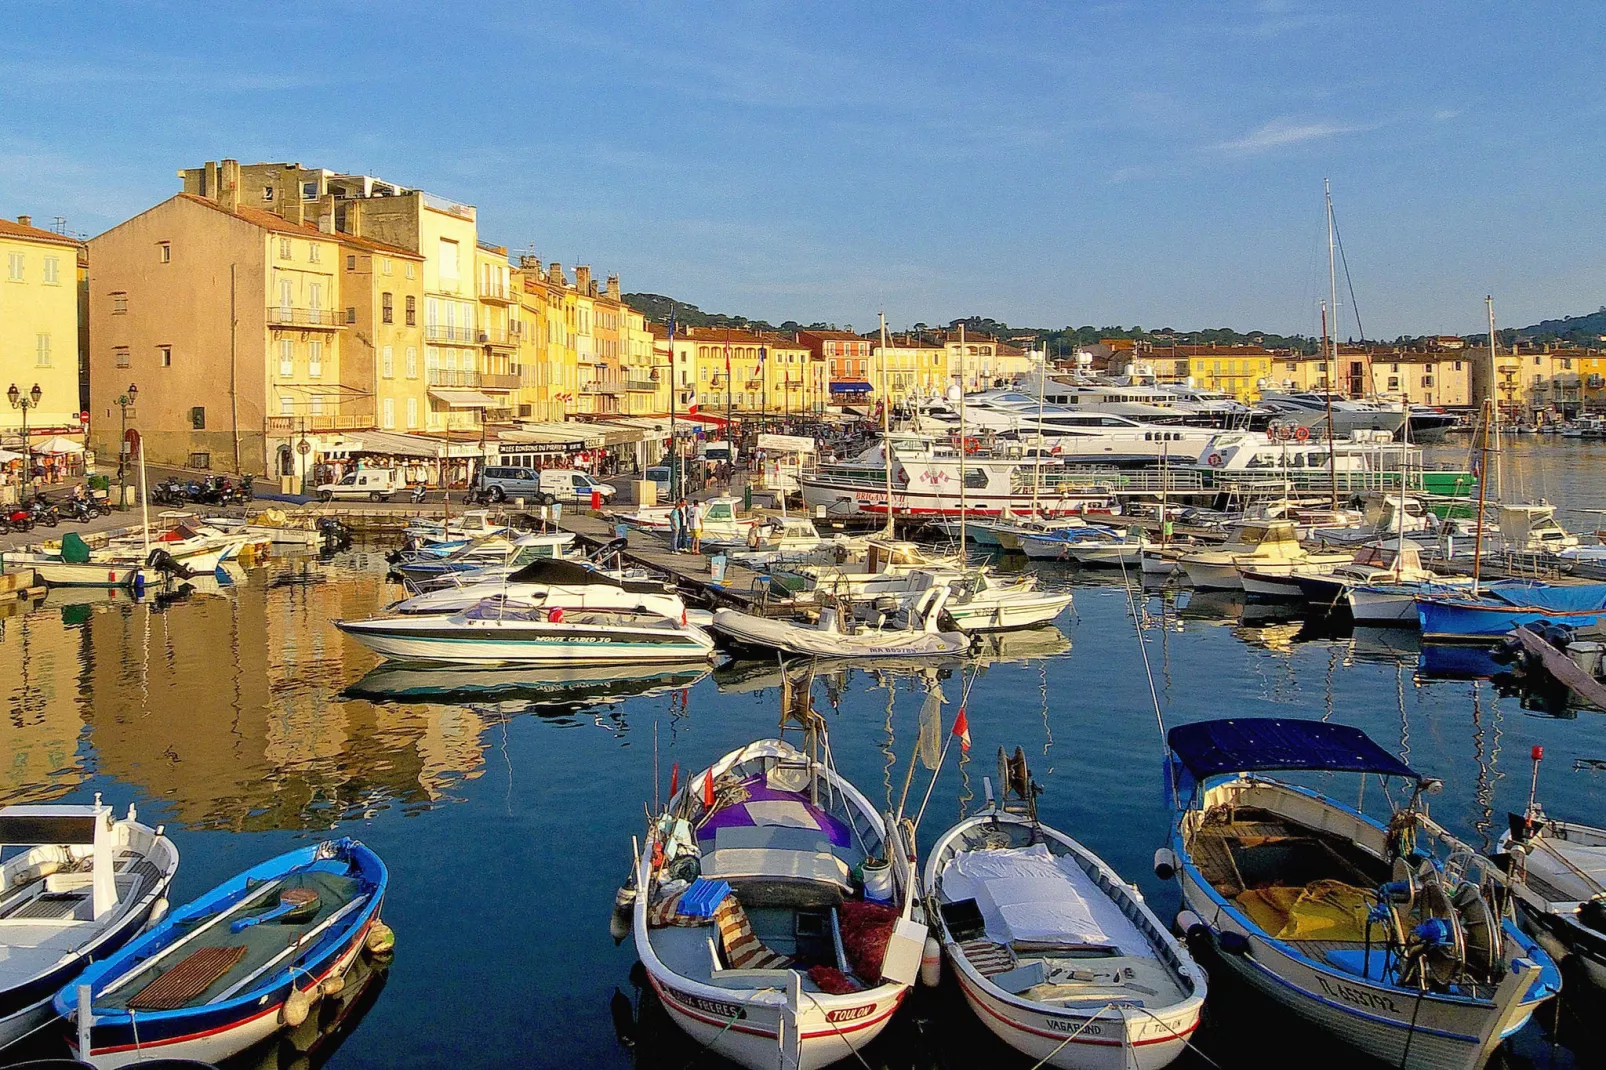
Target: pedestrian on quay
[(677, 529), (696, 527)]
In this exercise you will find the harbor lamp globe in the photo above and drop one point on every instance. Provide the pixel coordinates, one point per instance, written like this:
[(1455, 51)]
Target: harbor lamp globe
[(133, 393), (13, 394), (35, 393)]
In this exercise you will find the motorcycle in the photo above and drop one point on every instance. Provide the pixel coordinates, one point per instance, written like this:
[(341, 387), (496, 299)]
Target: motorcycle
[(41, 511), (15, 518), (79, 510)]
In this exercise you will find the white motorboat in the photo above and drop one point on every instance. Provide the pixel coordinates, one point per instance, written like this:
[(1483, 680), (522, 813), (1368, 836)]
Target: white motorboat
[(982, 602), (1558, 880), (1384, 935), (885, 569), (773, 908), (1394, 604), (278, 527), (494, 632), (1269, 548), (782, 540), (1055, 953), (1160, 560), (1392, 560), (550, 582), (80, 885), (74, 564), (473, 524), (833, 636)]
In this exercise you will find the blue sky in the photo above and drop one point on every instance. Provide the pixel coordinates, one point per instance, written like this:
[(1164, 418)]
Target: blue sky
[(1044, 164)]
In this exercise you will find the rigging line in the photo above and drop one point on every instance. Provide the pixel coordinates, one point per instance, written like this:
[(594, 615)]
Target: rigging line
[(1348, 282), (1148, 672)]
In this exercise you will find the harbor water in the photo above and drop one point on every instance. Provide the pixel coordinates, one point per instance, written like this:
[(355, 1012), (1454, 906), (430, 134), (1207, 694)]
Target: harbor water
[(239, 717)]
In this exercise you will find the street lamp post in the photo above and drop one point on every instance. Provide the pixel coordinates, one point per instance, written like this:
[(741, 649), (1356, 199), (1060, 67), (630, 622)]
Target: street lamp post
[(124, 403), (27, 401)]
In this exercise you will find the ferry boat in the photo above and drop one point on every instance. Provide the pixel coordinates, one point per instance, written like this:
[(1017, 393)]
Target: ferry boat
[(1366, 460)]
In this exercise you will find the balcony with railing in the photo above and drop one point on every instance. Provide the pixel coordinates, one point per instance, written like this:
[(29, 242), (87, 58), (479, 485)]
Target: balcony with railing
[(445, 332), (451, 377), (285, 425), (305, 318), (610, 389), (497, 381), (496, 338), (641, 385)]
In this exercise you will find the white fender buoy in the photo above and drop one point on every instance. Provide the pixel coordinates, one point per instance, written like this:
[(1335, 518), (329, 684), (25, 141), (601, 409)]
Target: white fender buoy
[(158, 912), (1189, 924), (1165, 863), (931, 963), (381, 939), (296, 1008)]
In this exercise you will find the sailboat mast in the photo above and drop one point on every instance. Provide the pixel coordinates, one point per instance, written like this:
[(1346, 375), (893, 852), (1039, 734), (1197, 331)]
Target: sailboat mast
[(1037, 465), (1483, 487), (1494, 407), (963, 444), (1332, 282), (886, 424)]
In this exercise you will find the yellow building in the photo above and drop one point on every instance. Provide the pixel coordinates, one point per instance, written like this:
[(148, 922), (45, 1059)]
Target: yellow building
[(496, 375), (1242, 371), (215, 391), (383, 286), (39, 319), (914, 369), (767, 371)]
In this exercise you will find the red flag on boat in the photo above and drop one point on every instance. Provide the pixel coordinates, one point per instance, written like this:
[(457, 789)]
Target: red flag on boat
[(962, 730), (674, 778), (708, 789)]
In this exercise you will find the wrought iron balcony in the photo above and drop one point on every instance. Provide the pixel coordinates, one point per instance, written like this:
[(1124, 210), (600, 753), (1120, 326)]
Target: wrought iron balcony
[(440, 332), (291, 316)]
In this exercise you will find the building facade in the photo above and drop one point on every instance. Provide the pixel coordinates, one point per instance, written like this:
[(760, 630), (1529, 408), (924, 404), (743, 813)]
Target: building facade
[(39, 331)]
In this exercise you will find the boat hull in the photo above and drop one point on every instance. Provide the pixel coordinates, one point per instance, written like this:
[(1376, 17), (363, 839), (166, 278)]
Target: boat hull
[(746, 630), (89, 574), (1448, 621), (1279, 585), (535, 644), (1213, 575), (1447, 1034), (1008, 614)]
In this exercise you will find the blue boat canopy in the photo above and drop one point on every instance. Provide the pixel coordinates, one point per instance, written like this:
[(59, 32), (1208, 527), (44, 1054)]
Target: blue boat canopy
[(1253, 744), (1557, 598)]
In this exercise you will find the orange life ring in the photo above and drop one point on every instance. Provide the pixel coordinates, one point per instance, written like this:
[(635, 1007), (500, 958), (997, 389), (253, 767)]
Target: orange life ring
[(1301, 434), (1216, 460)]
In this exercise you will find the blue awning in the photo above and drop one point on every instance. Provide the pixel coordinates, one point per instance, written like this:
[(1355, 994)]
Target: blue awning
[(1581, 597), (851, 388), (1253, 744)]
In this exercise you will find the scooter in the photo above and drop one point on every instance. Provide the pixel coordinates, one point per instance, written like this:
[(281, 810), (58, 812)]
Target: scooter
[(41, 511), (15, 518), (418, 492)]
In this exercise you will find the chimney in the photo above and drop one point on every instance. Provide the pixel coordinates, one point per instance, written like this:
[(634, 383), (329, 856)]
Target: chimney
[(613, 287), (25, 220), (326, 213), (229, 185), (531, 263), (554, 274), (582, 279)]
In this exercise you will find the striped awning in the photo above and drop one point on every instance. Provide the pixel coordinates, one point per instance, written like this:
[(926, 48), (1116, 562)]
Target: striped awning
[(467, 399)]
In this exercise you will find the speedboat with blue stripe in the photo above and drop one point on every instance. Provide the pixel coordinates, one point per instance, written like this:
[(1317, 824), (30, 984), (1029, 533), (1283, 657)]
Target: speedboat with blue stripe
[(1395, 937), (236, 965)]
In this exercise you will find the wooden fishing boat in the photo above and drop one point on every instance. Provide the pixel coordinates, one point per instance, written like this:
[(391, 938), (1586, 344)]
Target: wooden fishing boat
[(1498, 609), (236, 965), (80, 885), (774, 910), (1055, 953), (1388, 936)]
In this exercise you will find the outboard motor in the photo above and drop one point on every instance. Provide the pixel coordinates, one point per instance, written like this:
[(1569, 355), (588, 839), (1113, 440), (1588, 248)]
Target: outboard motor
[(162, 561)]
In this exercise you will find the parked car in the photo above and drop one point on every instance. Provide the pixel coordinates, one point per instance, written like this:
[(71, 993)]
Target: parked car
[(659, 476), (502, 483), (377, 484)]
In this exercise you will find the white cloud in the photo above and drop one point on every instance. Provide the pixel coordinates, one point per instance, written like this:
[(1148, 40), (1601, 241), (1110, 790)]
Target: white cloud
[(1447, 113), (1281, 132)]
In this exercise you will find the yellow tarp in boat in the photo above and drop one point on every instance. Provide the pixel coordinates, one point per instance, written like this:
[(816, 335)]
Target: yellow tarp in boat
[(1321, 910)]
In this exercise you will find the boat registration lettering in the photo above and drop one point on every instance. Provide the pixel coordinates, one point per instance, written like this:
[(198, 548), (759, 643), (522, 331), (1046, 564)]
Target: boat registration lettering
[(1358, 996), (725, 1011), (850, 1014), (1081, 1029)]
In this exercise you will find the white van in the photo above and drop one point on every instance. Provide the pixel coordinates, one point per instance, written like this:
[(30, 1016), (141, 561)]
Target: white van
[(376, 484), (718, 450)]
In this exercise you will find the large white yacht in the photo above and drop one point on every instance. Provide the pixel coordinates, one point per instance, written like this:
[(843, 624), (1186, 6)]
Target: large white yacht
[(1071, 434), (1310, 410)]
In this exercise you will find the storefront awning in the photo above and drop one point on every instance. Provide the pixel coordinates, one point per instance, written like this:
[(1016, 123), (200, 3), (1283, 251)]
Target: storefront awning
[(389, 444), (851, 388), (468, 399)]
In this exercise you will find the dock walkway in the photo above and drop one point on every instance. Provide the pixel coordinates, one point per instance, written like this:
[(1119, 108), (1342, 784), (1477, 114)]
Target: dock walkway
[(692, 573)]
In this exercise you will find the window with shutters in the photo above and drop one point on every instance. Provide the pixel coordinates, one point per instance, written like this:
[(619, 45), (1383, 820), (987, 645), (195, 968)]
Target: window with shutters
[(121, 353), (314, 252), (387, 308), (315, 359), (164, 356), (53, 271), (315, 297), (286, 407), (284, 248), (387, 363), (412, 310), (412, 412), (412, 362), (315, 405), (42, 350), (388, 410), (14, 267), (287, 353)]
